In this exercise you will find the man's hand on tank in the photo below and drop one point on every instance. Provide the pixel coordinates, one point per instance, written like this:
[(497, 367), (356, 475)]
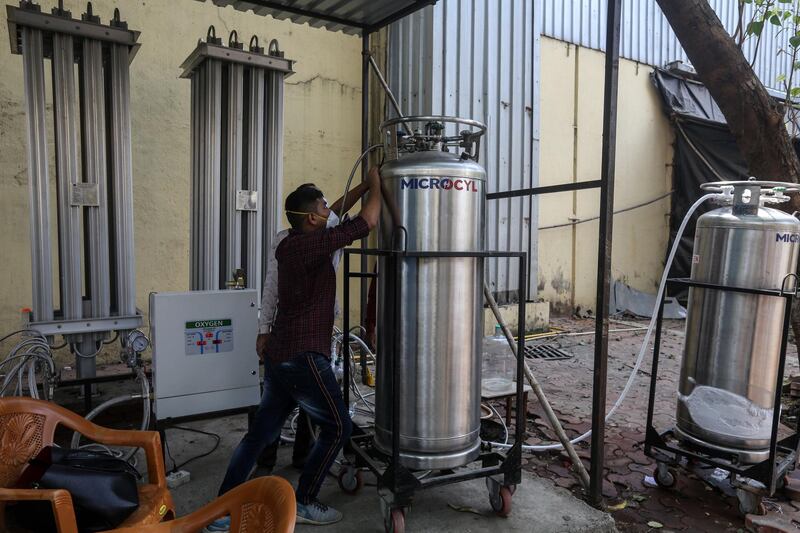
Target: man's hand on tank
[(374, 176)]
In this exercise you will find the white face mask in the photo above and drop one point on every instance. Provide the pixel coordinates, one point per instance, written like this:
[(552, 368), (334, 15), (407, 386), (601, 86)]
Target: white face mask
[(333, 220)]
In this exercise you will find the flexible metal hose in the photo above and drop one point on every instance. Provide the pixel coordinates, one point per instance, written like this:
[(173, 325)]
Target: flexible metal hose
[(27, 356), (144, 396), (352, 173)]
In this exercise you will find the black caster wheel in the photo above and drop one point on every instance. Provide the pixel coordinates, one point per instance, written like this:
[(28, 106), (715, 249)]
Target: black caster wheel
[(350, 480), (501, 501), (665, 477), (395, 521)]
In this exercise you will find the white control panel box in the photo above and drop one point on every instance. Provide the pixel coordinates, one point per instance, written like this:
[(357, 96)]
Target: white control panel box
[(204, 351)]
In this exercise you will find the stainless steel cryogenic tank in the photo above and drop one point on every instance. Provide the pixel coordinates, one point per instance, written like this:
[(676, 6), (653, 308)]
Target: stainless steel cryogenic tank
[(434, 201), (732, 347)]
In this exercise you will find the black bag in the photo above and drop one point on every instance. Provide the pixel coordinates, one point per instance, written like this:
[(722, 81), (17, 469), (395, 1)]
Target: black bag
[(103, 489)]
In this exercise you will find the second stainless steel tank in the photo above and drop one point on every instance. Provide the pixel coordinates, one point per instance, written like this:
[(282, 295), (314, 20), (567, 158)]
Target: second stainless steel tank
[(732, 348), (434, 202)]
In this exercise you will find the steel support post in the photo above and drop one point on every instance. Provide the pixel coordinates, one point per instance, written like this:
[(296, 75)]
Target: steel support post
[(272, 187), (194, 211), (122, 179), (95, 172), (364, 287), (255, 171), (38, 179), (604, 249), (211, 205), (233, 224), (66, 142)]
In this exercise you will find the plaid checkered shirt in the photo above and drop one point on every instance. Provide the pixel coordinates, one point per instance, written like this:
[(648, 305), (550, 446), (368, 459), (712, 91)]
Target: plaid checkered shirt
[(307, 289)]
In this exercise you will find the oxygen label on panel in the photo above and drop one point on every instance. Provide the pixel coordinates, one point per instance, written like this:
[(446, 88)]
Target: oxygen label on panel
[(203, 337)]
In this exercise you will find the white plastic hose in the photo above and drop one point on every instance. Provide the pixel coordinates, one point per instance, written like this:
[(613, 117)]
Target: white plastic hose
[(643, 349)]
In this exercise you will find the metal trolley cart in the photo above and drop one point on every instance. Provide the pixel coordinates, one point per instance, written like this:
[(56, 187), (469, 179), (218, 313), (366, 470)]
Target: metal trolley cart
[(396, 483), (741, 290)]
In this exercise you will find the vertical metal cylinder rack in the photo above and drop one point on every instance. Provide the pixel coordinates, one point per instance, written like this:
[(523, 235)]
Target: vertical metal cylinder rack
[(94, 177), (237, 158)]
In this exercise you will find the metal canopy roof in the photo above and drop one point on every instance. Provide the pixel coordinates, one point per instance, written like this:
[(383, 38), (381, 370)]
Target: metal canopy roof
[(349, 16)]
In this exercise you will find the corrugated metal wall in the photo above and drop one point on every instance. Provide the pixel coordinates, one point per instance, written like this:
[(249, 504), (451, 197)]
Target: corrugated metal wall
[(646, 35), (479, 59)]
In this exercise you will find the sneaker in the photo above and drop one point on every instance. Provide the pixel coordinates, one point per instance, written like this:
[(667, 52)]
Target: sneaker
[(220, 525), (317, 513)]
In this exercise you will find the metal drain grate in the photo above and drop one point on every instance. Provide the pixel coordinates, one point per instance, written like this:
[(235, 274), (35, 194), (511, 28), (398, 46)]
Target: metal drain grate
[(546, 352)]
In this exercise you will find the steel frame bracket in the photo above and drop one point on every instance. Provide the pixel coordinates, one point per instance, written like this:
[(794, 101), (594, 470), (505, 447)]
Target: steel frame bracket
[(90, 325), (398, 484), (19, 17), (206, 50), (512, 465)]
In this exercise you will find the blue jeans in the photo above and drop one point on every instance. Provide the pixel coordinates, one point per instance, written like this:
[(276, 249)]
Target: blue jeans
[(308, 380)]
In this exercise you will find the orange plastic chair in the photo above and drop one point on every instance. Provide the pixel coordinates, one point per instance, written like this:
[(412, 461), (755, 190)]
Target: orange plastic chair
[(262, 505), (27, 425)]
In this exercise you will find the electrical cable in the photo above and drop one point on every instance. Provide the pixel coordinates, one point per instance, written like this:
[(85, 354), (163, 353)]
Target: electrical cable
[(502, 421), (18, 332), (169, 454), (29, 356), (216, 437), (79, 354), (645, 342), (625, 210)]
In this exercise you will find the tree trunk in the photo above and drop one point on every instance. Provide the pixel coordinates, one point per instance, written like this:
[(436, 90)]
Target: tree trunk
[(754, 118)]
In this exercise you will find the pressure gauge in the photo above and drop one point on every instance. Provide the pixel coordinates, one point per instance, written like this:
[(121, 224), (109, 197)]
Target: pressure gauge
[(138, 341)]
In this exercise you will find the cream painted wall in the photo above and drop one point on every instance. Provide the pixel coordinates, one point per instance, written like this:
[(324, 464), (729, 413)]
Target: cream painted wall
[(322, 132), (571, 135)]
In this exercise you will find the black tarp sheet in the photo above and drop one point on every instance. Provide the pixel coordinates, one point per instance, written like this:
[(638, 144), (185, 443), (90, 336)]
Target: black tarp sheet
[(704, 151)]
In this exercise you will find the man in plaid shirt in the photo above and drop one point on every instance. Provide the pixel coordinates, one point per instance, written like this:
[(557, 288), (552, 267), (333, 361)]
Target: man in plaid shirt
[(266, 320), (297, 364)]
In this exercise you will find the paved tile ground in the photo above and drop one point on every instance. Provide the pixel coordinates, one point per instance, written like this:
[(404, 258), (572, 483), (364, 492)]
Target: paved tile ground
[(691, 505)]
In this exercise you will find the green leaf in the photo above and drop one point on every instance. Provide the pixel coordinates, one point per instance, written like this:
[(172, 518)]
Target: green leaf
[(780, 77), (795, 42), (795, 92), (755, 28), (786, 14), (774, 19), (796, 65)]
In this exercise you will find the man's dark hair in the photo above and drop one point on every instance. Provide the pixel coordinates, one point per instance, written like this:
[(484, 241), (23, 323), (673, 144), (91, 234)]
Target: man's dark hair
[(302, 200)]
